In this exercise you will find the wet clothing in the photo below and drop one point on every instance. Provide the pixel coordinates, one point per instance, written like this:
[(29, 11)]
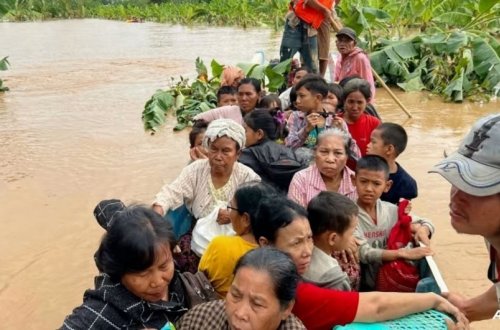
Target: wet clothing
[(324, 271), (320, 308), (356, 63), (111, 306), (212, 315), (403, 186)]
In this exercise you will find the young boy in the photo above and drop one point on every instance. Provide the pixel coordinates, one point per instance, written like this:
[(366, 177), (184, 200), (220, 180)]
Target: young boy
[(285, 96), (304, 125), (333, 218), (227, 95), (389, 140), (376, 219)]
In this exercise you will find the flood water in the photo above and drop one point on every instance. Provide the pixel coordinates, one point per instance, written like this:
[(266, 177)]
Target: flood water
[(71, 135)]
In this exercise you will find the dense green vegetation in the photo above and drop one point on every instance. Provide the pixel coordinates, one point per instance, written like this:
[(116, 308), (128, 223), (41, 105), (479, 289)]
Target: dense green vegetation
[(449, 47), (4, 64)]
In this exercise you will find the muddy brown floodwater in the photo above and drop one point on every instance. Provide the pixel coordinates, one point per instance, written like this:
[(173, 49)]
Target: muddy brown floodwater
[(71, 135)]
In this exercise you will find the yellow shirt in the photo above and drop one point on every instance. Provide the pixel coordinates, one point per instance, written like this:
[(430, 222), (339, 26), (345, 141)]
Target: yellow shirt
[(220, 258)]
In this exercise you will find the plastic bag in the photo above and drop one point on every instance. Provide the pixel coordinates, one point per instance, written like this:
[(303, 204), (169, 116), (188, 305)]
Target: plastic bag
[(207, 229)]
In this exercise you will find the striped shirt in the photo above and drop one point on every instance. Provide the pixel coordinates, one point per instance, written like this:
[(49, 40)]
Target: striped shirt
[(308, 183)]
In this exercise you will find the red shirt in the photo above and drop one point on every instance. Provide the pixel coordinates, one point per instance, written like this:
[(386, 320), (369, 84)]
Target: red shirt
[(362, 129), (321, 308)]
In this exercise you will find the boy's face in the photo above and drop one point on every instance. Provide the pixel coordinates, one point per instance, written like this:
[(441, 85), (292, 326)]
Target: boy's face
[(370, 185), (342, 241), (377, 145), (308, 102), (227, 99)]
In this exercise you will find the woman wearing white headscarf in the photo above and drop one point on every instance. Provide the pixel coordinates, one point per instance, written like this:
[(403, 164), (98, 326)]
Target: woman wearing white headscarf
[(206, 183)]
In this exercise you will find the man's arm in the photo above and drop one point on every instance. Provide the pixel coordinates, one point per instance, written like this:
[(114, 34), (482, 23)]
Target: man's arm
[(482, 307)]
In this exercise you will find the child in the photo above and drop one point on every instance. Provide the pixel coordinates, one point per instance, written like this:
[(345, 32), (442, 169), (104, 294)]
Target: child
[(285, 96), (270, 101), (305, 125), (196, 135), (227, 95), (333, 229), (376, 219), (335, 94), (389, 140)]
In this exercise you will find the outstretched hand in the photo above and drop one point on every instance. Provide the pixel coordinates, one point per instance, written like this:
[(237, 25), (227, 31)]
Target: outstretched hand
[(447, 307)]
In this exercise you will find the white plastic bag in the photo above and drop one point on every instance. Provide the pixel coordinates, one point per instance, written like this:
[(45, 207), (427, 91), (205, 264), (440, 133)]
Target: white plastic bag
[(207, 229)]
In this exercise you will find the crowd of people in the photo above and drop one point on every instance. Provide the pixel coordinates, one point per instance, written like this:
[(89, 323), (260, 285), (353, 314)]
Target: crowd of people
[(290, 200)]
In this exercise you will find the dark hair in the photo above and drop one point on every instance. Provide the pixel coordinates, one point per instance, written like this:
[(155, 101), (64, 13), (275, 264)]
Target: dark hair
[(330, 211), (293, 98), (224, 90), (131, 242), (336, 90), (269, 99), (313, 83), (199, 126), (373, 163), (395, 134), (262, 119), (249, 195), (357, 85), (349, 78), (251, 81), (279, 266), (303, 68), (275, 213)]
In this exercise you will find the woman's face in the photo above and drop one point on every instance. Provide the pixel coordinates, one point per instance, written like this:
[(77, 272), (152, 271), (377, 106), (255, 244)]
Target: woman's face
[(330, 156), (247, 97), (240, 222), (252, 137), (251, 302), (354, 105), (296, 240), (222, 155), (152, 284), (298, 77)]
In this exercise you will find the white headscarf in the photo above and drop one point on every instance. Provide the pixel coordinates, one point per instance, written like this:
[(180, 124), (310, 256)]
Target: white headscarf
[(224, 127)]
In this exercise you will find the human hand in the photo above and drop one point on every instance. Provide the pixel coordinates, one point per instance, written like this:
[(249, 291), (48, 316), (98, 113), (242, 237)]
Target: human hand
[(447, 307), (313, 120), (456, 299), (198, 152), (158, 209), (223, 217), (338, 122), (415, 253), (422, 235)]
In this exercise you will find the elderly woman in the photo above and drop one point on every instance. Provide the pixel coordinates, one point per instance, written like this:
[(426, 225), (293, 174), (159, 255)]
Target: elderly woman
[(283, 224), (261, 296), (207, 183), (138, 286), (328, 172)]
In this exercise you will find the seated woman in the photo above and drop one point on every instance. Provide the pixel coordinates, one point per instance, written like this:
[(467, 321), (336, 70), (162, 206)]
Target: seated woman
[(357, 95), (262, 153), (249, 90), (223, 252), (261, 296), (283, 224), (207, 183), (138, 286)]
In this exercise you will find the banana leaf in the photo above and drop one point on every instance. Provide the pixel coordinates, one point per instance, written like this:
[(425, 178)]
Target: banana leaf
[(216, 69), (485, 5), (453, 18), (4, 63), (444, 43), (486, 63)]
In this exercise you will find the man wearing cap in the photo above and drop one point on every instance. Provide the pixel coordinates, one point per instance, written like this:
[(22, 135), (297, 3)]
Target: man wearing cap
[(474, 172), (353, 60)]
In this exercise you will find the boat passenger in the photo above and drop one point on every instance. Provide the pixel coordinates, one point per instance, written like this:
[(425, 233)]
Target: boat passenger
[(206, 183), (249, 90), (261, 296), (139, 286), (283, 224), (223, 252)]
